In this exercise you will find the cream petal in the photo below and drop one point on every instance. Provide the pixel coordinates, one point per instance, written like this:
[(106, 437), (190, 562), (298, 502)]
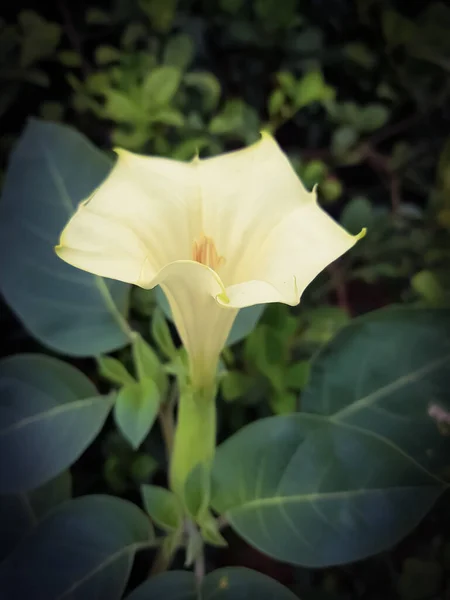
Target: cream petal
[(155, 198), (244, 195), (295, 252), (104, 247), (203, 325)]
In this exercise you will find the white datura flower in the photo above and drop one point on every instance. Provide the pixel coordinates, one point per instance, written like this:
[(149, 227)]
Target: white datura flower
[(217, 234)]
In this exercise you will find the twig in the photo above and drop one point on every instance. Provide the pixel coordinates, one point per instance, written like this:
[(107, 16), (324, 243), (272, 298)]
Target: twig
[(73, 37), (339, 287)]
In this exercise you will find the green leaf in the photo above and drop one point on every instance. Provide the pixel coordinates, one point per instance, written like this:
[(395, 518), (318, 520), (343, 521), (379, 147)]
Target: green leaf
[(232, 583), (160, 86), (95, 16), (49, 413), (40, 37), (179, 51), (235, 384), (357, 214), (297, 375), (147, 364), (343, 139), (207, 84), (360, 54), (163, 507), (105, 55), (287, 82), (52, 169), (122, 108), (69, 58), (331, 189), (84, 550), (312, 491), (428, 286), (161, 334), (276, 102), (372, 117), (135, 410), (161, 13), (275, 15), (168, 116), (312, 88), (405, 372), (112, 369), (20, 513)]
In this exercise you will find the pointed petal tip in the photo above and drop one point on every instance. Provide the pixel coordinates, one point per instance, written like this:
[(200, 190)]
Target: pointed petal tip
[(361, 234)]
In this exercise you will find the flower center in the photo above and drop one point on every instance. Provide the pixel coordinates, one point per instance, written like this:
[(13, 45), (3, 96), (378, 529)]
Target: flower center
[(205, 252)]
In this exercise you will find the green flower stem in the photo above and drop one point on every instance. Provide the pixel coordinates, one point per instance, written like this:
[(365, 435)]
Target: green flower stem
[(195, 437)]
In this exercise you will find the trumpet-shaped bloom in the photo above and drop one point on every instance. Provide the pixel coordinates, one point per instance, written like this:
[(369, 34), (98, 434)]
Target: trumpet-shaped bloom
[(217, 234)]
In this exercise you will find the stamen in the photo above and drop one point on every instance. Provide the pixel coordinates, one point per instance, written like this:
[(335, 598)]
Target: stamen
[(205, 252)]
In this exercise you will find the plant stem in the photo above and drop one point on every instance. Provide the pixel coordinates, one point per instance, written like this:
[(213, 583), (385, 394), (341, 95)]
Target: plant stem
[(195, 436), (167, 422)]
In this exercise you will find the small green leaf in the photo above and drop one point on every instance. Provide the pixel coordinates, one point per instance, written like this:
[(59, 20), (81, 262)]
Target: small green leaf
[(360, 54), (276, 101), (207, 84), (372, 117), (209, 530), (231, 6), (160, 13), (167, 116), (105, 55), (287, 82), (427, 285), (297, 374), (312, 88), (314, 172), (135, 410), (343, 139), (283, 403), (331, 189), (163, 507), (95, 16), (122, 108), (113, 370), (40, 37), (179, 51), (161, 334), (234, 385), (69, 58), (147, 364), (160, 86), (357, 213)]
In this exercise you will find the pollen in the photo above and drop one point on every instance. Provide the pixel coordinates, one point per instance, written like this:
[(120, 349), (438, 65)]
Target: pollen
[(205, 252)]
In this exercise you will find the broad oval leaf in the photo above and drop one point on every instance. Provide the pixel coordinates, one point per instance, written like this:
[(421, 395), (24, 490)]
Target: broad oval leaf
[(83, 550), (52, 169), (22, 512), (309, 491), (235, 583), (49, 413), (384, 372)]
